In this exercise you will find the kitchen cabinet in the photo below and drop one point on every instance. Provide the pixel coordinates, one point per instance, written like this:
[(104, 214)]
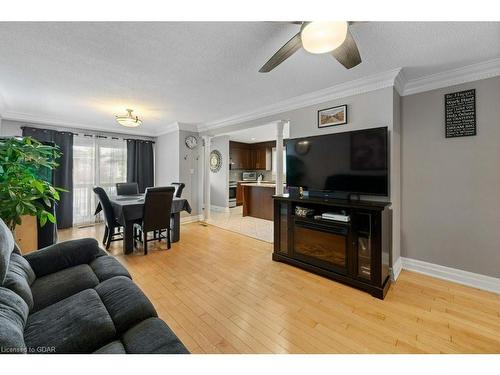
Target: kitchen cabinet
[(240, 156), (239, 194), (258, 200), (259, 158), (251, 156)]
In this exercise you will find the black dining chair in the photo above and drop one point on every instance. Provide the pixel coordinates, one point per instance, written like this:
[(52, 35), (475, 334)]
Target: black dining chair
[(156, 216), (127, 188), (113, 229), (179, 186)]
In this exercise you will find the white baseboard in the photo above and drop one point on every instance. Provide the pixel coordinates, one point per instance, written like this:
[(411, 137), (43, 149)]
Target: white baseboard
[(474, 280), (191, 219), (219, 208), (396, 269)]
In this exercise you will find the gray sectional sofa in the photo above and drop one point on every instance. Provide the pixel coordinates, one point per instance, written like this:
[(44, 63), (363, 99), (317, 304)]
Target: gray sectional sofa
[(74, 298)]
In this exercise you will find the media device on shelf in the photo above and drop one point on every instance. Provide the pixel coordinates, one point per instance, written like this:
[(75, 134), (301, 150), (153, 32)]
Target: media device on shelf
[(339, 165)]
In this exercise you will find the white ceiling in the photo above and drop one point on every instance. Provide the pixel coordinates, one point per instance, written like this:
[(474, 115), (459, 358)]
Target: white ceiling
[(81, 74)]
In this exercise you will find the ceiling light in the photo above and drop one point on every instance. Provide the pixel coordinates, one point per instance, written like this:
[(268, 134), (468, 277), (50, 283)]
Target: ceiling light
[(322, 37), (129, 120)]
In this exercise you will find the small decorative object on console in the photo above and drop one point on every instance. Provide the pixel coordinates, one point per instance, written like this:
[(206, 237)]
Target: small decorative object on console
[(304, 212)]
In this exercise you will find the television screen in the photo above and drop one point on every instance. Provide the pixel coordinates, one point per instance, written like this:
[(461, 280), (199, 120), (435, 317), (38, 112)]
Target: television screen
[(353, 162)]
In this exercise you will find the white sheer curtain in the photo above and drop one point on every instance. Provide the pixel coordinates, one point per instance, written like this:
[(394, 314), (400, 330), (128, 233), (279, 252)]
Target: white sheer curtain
[(97, 161)]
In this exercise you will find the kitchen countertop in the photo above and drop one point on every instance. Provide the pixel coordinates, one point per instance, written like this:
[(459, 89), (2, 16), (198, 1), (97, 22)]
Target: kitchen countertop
[(259, 184), (255, 182)]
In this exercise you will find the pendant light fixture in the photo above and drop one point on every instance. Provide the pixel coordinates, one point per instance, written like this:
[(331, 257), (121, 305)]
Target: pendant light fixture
[(129, 120)]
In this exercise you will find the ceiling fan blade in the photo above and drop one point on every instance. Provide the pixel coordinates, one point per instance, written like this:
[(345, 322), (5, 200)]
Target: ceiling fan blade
[(283, 53), (347, 54)]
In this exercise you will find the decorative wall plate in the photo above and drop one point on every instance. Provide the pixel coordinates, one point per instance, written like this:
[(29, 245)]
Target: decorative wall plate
[(215, 161)]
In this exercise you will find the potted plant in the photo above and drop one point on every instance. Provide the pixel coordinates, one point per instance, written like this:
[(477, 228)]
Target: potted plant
[(23, 191)]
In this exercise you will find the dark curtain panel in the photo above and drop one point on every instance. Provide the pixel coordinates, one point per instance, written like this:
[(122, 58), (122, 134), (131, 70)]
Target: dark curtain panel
[(140, 167), (63, 175)]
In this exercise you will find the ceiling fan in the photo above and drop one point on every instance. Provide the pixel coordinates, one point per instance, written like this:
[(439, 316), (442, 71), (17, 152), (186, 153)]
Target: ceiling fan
[(320, 37)]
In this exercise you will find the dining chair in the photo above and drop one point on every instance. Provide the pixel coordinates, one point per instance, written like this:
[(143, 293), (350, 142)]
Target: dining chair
[(156, 216), (179, 186), (113, 229), (127, 188)]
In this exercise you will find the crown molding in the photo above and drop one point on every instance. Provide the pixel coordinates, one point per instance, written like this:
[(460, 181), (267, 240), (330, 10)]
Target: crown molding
[(469, 73), (169, 128), (355, 87), (38, 120)]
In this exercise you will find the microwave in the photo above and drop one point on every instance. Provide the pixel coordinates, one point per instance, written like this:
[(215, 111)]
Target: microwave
[(249, 176)]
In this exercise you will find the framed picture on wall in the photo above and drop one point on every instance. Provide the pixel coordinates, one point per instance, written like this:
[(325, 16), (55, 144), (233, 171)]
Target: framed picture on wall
[(332, 116)]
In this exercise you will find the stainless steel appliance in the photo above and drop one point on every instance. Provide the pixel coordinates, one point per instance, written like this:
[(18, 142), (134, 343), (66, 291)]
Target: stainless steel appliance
[(249, 176), (232, 193)]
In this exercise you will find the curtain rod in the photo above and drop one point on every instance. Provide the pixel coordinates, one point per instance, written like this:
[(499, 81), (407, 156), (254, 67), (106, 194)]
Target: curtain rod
[(97, 135)]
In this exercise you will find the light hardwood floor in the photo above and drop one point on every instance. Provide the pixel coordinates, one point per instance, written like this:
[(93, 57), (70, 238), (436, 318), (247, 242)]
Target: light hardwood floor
[(220, 292)]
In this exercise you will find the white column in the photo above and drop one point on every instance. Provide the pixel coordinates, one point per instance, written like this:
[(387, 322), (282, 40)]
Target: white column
[(279, 156), (206, 177)]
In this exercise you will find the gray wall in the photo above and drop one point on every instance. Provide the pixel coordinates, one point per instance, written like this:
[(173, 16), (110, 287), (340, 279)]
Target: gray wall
[(11, 128), (451, 187), (167, 158), (190, 164), (219, 182)]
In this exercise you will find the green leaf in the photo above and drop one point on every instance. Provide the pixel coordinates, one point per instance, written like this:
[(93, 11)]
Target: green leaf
[(51, 218), (43, 220)]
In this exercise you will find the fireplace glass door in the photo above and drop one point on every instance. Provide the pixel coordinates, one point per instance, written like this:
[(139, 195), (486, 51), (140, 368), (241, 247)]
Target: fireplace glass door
[(321, 244)]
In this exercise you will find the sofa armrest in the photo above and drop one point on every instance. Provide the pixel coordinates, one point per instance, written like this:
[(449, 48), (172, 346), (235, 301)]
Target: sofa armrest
[(63, 255)]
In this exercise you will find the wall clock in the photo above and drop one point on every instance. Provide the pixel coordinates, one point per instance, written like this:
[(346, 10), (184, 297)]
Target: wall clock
[(191, 141), (215, 161)]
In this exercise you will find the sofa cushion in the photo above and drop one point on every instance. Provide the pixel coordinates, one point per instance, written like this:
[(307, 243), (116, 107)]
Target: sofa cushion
[(125, 302), (106, 267), (63, 255), (57, 286), (18, 278), (77, 324), (115, 347), (6, 248), (152, 336), (13, 315)]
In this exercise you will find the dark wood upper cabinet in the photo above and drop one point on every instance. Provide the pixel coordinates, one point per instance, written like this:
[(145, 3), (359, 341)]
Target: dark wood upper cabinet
[(251, 156)]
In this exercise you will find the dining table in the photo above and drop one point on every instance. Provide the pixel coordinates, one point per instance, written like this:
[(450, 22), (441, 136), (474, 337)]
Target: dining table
[(128, 209)]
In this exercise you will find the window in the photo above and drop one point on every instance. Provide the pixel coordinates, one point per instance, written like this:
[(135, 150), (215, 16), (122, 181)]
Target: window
[(96, 162)]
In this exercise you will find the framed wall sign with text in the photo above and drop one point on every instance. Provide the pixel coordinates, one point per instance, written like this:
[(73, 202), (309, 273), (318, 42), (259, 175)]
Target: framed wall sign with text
[(460, 113)]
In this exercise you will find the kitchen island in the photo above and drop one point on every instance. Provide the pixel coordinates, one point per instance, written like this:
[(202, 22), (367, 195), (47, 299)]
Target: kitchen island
[(258, 199)]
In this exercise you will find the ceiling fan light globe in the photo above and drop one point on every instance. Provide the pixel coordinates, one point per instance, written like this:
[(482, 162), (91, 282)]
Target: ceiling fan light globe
[(323, 36)]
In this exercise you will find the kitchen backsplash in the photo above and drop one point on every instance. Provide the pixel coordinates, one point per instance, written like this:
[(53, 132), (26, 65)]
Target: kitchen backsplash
[(236, 175)]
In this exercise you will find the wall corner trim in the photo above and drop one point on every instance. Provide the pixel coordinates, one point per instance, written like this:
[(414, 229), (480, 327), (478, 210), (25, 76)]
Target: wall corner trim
[(396, 269), (475, 280)]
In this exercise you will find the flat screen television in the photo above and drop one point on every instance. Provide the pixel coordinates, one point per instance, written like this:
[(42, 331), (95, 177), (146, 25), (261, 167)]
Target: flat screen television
[(350, 162)]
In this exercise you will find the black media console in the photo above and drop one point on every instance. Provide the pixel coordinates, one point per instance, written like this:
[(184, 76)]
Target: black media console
[(355, 252)]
